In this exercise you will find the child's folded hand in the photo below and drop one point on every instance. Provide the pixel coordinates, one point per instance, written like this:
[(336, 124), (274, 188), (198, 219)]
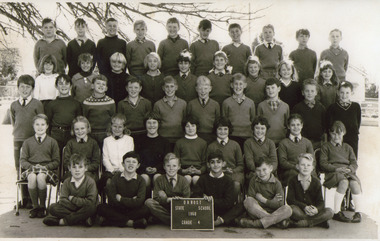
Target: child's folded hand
[(260, 198), (229, 170), (207, 198), (162, 194), (118, 197), (278, 197)]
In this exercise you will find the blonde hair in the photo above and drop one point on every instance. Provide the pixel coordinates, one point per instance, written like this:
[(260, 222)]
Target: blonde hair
[(289, 64), (121, 117), (119, 57), (153, 55), (80, 119)]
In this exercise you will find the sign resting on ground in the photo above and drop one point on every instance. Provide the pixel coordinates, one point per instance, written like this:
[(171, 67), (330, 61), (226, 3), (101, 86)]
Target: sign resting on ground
[(192, 214)]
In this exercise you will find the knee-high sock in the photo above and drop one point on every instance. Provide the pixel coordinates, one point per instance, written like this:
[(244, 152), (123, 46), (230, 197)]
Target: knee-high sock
[(357, 201), (34, 196), (338, 201), (42, 196)]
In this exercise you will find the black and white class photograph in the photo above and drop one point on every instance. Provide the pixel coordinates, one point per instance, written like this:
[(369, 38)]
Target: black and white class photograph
[(238, 120)]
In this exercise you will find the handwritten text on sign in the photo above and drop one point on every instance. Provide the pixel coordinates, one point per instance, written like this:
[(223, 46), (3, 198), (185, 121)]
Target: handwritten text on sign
[(192, 213)]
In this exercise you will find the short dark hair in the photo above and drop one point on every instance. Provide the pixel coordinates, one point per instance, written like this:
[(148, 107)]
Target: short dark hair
[(131, 154), (260, 120), (215, 154), (26, 79), (190, 119), (263, 159), (65, 77), (346, 84), (48, 20), (338, 127), (48, 58), (223, 121), (133, 79), (173, 20), (272, 81), (302, 31), (295, 116), (205, 24), (80, 21), (234, 25), (100, 77), (309, 82), (77, 158), (111, 20), (84, 58), (152, 116)]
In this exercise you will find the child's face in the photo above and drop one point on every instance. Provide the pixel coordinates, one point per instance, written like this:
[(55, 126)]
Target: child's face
[(336, 138), (40, 126), (85, 66), (344, 94), (235, 34), (295, 127), (220, 63), (133, 89), (117, 127), (305, 166), (170, 89), (100, 86), (78, 170), (204, 33), (263, 172), (80, 130), (259, 131), (116, 65), (216, 166), (203, 90), (286, 71), (48, 68), (335, 38), (268, 34), (111, 28), (184, 66), (172, 29), (81, 30), (303, 39), (63, 87), (327, 74), (131, 165), (190, 129), (222, 132), (253, 69), (152, 126), (171, 167), (25, 90), (309, 92), (48, 30), (152, 63), (238, 87), (140, 31), (272, 90)]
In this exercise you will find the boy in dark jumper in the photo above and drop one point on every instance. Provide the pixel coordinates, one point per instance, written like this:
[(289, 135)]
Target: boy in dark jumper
[(215, 185), (77, 200), (126, 195), (203, 50), (185, 79), (170, 48), (80, 45), (108, 45), (237, 52), (62, 111), (22, 112), (305, 196)]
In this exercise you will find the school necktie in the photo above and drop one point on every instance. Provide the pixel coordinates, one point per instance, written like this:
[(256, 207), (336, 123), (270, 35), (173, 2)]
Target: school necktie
[(23, 102), (259, 141), (171, 180), (223, 143), (269, 46), (183, 76), (337, 144), (203, 102), (81, 42), (220, 74), (39, 139), (81, 140), (117, 137), (296, 140)]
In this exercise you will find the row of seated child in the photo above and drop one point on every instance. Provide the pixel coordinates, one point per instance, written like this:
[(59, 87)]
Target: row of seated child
[(337, 159)]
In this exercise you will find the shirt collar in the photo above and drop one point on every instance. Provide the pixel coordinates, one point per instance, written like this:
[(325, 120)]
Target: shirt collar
[(257, 139), (327, 82), (271, 43), (28, 99), (334, 144), (236, 44), (338, 48), (85, 139), (42, 137), (286, 84), (272, 179), (238, 99), (187, 73), (134, 176), (223, 71), (77, 182), (206, 100), (191, 137), (300, 178), (291, 137), (141, 41), (222, 175), (131, 103), (204, 40), (166, 99), (174, 39), (220, 140), (175, 177)]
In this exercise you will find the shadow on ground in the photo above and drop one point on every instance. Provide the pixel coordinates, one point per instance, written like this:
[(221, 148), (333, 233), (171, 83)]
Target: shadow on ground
[(24, 227)]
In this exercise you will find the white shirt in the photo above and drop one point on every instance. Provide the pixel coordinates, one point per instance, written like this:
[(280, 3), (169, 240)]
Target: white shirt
[(84, 139), (77, 182), (44, 88), (114, 150), (174, 179), (27, 100), (134, 176), (291, 137), (220, 140), (191, 137), (42, 137)]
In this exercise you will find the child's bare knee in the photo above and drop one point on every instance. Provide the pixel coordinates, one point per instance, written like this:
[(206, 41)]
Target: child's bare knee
[(355, 187), (195, 179), (156, 176), (146, 179)]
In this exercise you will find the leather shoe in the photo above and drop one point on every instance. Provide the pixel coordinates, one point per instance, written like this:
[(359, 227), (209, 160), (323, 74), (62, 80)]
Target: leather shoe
[(357, 218), (341, 217)]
